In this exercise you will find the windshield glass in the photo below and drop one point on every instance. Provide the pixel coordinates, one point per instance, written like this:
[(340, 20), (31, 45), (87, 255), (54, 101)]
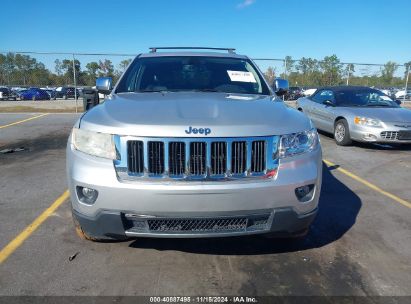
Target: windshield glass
[(193, 73), (363, 98)]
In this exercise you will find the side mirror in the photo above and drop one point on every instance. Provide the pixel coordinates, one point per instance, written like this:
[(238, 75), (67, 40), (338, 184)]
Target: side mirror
[(328, 103), (280, 86), (398, 102), (104, 85)]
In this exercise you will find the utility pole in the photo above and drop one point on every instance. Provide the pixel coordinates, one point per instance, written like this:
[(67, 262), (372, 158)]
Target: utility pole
[(285, 72), (349, 71), (75, 82), (406, 82)]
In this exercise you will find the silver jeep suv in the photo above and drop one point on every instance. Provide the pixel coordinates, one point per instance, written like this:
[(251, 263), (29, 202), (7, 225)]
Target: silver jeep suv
[(193, 144)]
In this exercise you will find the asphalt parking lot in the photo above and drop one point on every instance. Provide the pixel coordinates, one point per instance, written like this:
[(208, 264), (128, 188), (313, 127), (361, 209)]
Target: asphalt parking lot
[(360, 243)]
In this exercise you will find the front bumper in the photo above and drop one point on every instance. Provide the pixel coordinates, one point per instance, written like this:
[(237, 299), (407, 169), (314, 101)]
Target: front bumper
[(389, 133), (118, 226), (121, 204)]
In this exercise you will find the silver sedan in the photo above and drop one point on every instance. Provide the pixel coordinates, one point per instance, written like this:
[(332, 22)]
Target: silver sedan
[(354, 113)]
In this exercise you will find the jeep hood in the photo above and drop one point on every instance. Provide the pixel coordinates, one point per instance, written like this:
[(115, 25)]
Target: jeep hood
[(170, 114)]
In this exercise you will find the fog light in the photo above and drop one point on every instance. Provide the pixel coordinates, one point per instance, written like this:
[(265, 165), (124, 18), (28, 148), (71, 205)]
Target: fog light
[(304, 193), (369, 137), (87, 195)]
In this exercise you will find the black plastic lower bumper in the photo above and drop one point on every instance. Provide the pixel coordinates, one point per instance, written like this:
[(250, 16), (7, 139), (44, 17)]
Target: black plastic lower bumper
[(113, 225)]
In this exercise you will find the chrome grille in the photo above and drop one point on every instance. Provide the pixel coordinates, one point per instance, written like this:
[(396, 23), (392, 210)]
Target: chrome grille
[(156, 157), (176, 158), (195, 158), (218, 158), (258, 156), (135, 156), (239, 157), (389, 135), (198, 158)]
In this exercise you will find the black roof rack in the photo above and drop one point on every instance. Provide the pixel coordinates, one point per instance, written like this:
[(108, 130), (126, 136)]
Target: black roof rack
[(154, 49)]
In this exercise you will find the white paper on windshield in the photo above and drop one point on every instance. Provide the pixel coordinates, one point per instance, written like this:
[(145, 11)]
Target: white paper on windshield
[(385, 98), (239, 97), (241, 76)]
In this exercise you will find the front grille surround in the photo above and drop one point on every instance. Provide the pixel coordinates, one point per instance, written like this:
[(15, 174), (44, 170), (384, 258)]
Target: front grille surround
[(212, 159)]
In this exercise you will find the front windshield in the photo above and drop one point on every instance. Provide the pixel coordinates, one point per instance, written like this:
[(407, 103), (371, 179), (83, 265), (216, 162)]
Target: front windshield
[(363, 98), (193, 73)]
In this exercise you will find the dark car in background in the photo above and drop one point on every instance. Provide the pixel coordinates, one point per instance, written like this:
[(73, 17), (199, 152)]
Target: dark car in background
[(34, 94), (52, 93), (7, 94), (293, 93), (67, 92)]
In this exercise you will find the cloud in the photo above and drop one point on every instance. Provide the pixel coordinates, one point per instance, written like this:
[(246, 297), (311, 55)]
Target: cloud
[(245, 3)]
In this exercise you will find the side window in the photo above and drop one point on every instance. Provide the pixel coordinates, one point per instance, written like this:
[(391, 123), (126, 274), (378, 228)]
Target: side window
[(317, 97), (323, 95)]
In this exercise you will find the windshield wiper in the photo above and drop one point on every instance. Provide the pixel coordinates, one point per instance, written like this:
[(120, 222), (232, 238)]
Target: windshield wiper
[(152, 91), (206, 90)]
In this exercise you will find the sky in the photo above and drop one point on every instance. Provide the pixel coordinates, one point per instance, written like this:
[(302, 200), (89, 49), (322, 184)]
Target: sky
[(367, 31)]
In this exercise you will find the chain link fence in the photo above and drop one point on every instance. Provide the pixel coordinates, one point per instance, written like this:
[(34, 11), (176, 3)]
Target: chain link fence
[(19, 70)]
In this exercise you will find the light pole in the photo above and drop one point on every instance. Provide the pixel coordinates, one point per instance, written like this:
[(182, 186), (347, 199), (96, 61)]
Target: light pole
[(406, 82), (75, 82), (349, 71)]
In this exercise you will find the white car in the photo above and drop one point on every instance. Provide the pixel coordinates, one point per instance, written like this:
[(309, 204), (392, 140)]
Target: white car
[(309, 92), (401, 93)]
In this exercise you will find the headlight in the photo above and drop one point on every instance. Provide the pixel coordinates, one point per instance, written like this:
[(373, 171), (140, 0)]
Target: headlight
[(358, 120), (298, 143), (94, 143)]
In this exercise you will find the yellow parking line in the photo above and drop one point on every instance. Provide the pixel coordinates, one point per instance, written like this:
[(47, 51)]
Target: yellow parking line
[(370, 185), (24, 120), (18, 240)]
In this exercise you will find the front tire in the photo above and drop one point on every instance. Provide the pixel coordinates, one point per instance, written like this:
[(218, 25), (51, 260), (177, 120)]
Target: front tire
[(342, 133), (80, 232)]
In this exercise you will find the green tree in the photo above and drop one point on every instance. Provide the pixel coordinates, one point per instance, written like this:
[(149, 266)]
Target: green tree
[(106, 68), (332, 70), (26, 66), (387, 73), (67, 69), (308, 70), (269, 75), (288, 66), (124, 64), (92, 68), (58, 67)]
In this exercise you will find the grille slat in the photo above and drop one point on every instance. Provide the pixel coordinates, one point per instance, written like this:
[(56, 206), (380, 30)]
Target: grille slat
[(176, 158), (156, 157), (197, 158), (135, 156), (218, 157), (239, 157), (258, 156)]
